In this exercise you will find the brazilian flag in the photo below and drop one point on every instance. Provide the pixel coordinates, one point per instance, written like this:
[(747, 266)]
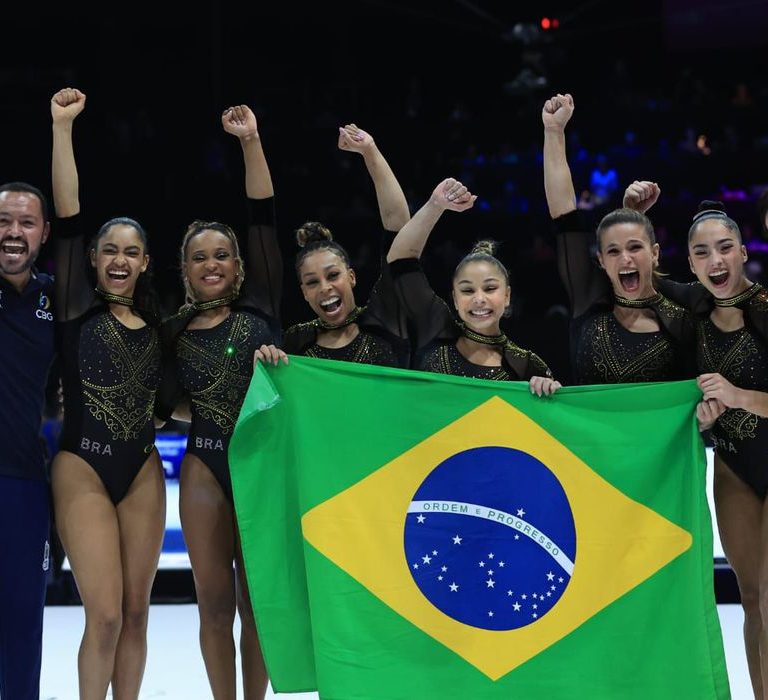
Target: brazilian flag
[(413, 535)]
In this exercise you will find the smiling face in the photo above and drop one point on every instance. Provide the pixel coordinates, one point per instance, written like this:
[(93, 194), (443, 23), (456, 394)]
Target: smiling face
[(717, 256), (211, 267), (481, 295), (327, 284), (23, 230), (629, 259), (119, 258)]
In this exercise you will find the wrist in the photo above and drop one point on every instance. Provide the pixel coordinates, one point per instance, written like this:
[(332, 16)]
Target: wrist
[(249, 138)]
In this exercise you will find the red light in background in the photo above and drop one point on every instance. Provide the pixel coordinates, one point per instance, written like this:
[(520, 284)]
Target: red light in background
[(545, 23), (555, 23)]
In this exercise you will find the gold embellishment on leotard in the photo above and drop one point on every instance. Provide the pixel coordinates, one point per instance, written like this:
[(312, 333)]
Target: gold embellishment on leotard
[(114, 298), (126, 406), (730, 363), (351, 318), (215, 303), (639, 367), (738, 423), (226, 366), (446, 359), (645, 303), (738, 299), (364, 348)]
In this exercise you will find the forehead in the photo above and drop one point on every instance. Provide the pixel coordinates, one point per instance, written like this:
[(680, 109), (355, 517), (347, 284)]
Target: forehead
[(209, 239), (712, 230), (621, 233), (321, 259), (479, 270), (121, 235), (21, 203)]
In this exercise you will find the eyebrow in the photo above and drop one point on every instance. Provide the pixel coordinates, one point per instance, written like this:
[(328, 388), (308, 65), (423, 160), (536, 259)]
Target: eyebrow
[(487, 279)]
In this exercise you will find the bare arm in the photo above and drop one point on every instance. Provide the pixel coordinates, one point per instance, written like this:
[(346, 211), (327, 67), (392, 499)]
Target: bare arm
[(241, 122), (558, 183), (393, 206), (411, 239), (66, 104)]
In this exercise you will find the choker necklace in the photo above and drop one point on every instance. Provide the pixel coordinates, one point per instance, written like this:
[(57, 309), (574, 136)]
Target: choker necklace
[(637, 303), (500, 339), (114, 298), (214, 303), (739, 298), (349, 319)]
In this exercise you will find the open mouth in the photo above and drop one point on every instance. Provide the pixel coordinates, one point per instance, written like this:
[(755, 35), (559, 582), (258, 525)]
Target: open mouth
[(629, 280), (13, 249), (118, 277), (213, 278), (481, 313), (331, 306), (719, 279)]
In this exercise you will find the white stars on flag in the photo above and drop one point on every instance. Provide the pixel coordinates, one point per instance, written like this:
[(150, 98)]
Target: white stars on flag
[(420, 519)]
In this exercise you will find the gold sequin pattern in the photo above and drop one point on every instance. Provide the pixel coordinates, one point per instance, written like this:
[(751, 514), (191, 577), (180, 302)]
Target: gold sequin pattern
[(216, 367), (446, 359), (120, 378), (611, 354), (365, 348)]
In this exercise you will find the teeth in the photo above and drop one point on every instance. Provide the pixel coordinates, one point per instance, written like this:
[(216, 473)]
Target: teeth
[(330, 301), (627, 272), (722, 273), (118, 273)]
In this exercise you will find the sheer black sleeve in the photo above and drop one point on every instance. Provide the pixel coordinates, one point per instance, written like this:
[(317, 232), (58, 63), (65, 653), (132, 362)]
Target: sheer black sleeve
[(429, 317), (692, 296), (586, 284), (263, 286), (74, 290), (384, 307)]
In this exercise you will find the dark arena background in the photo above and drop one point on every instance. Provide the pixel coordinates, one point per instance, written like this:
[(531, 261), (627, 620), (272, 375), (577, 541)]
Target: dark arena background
[(673, 92)]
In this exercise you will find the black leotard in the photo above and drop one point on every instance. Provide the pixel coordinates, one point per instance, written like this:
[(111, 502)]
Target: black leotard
[(212, 367), (435, 330), (110, 373), (602, 350)]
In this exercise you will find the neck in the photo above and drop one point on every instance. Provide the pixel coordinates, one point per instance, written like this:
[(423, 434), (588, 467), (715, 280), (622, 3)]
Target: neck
[(744, 288), (18, 281), (489, 336), (217, 313), (120, 310), (471, 347), (349, 331), (215, 304)]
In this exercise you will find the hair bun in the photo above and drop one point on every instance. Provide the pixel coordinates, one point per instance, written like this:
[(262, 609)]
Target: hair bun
[(311, 232), (485, 247), (709, 208)]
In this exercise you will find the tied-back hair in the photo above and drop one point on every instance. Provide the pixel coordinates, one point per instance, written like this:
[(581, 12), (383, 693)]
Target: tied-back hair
[(196, 228), (313, 236), (625, 216), (29, 189), (483, 251), (144, 296), (710, 209)]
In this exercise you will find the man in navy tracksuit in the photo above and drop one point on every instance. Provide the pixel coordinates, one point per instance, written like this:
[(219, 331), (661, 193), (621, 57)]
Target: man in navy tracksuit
[(26, 353)]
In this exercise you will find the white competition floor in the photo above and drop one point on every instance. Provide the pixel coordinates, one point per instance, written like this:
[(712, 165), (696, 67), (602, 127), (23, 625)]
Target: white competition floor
[(175, 667)]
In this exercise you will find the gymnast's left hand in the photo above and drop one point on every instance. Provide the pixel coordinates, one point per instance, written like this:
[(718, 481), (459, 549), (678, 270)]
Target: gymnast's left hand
[(269, 355), (543, 386), (716, 386)]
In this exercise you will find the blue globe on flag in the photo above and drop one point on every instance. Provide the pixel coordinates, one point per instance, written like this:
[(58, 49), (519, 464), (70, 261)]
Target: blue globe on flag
[(490, 539)]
